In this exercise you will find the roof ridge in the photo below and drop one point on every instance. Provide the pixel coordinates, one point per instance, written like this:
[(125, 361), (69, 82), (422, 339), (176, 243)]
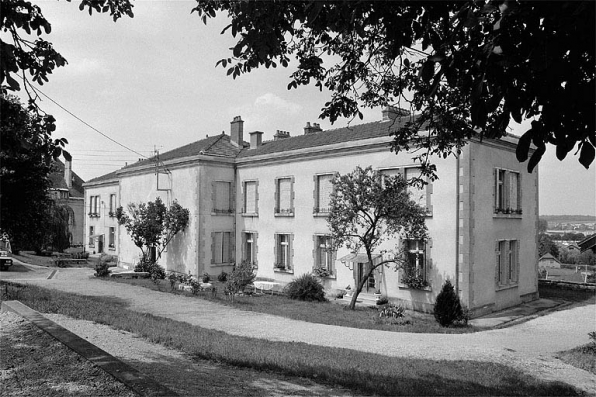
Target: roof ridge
[(214, 142)]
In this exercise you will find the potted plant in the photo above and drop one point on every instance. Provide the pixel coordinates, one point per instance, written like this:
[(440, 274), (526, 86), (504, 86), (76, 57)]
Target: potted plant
[(377, 293), (348, 291)]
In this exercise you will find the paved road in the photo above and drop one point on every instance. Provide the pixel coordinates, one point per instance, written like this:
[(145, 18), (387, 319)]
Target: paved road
[(528, 346)]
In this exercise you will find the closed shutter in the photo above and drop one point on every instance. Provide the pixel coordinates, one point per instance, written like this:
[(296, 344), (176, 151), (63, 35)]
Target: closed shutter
[(416, 193), (506, 190), (285, 194), (325, 190), (251, 197), (222, 196)]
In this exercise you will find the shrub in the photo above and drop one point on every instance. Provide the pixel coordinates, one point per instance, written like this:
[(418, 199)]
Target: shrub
[(102, 268), (382, 300), (242, 275), (448, 308), (321, 272), (206, 277), (305, 288), (223, 277), (154, 270), (392, 311), (172, 278)]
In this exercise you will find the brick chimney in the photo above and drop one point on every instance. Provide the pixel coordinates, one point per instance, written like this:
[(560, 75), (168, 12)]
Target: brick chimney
[(237, 131), (281, 135), (312, 129), (392, 112), (256, 138), (68, 173)]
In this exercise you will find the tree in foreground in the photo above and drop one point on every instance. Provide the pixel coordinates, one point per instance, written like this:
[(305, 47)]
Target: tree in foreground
[(468, 68), (152, 226), (368, 208)]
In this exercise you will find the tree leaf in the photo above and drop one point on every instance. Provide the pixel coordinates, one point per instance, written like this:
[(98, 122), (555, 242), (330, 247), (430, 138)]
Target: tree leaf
[(427, 71), (535, 159), (523, 146), (586, 156)]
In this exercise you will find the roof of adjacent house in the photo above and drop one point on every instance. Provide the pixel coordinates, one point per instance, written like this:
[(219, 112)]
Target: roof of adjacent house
[(58, 182), (548, 255)]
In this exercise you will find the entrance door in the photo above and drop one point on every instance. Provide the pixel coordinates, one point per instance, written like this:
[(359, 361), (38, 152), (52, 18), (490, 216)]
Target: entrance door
[(369, 286), (100, 244)]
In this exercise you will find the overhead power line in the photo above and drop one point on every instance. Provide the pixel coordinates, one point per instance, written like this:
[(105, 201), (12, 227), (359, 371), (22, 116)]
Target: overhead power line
[(87, 124)]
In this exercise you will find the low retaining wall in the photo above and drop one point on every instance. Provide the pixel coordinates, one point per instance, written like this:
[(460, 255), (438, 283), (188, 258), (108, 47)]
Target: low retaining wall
[(567, 284)]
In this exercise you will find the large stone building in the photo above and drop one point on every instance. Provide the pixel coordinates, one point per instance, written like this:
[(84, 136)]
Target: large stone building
[(67, 189), (266, 202)]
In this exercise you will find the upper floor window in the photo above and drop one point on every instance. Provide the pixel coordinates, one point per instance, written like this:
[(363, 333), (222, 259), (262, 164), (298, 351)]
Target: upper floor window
[(284, 196), (221, 247), (222, 198), (93, 206), (284, 251), (507, 262), (112, 205), (324, 256), (322, 193), (421, 195), (250, 198), (507, 192)]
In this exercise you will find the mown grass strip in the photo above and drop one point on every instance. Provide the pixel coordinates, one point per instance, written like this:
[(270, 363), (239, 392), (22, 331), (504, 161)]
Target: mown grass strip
[(363, 372)]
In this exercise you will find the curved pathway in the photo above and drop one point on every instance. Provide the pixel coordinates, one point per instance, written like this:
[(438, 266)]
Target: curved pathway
[(527, 346)]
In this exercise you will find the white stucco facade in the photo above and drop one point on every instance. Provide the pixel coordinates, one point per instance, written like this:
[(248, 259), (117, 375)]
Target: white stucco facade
[(481, 215)]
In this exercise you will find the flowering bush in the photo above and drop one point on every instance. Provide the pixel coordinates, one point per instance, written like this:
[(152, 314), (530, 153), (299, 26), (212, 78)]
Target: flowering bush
[(321, 272)]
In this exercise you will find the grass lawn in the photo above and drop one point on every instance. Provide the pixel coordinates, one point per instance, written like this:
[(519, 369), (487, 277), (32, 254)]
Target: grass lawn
[(583, 357), (580, 297), (364, 373), (331, 313)]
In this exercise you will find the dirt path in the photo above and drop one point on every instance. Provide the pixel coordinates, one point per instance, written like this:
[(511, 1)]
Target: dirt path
[(528, 346)]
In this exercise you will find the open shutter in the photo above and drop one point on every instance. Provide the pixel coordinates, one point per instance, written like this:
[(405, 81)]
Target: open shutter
[(519, 191), (213, 247), (255, 249), (314, 251), (292, 195), (516, 261), (291, 251), (243, 252), (276, 198), (497, 262), (429, 191), (275, 248), (333, 256), (315, 195), (495, 190), (256, 197), (232, 248)]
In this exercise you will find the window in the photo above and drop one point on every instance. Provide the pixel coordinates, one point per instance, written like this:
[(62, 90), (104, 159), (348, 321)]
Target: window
[(323, 190), (112, 205), (221, 246), (324, 255), (112, 236), (284, 196), (507, 252), (91, 238), (415, 270), (417, 193), (249, 248), (93, 206), (222, 199), (284, 252), (507, 192), (250, 198)]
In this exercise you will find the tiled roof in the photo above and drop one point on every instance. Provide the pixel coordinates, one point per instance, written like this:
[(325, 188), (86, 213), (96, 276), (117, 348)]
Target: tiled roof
[(58, 181), (353, 133), (106, 177)]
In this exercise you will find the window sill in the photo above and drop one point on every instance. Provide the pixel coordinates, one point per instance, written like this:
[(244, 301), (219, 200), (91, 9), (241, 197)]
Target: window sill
[(283, 271), (284, 214), (112, 249), (507, 216), (330, 277), (320, 214), (215, 213), (424, 289), (250, 214), (506, 287), (222, 264)]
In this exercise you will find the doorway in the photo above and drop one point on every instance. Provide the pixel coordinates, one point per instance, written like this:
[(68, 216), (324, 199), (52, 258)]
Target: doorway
[(370, 285)]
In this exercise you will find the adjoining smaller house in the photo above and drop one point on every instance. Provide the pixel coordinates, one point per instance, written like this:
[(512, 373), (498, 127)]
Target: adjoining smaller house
[(67, 189), (548, 261)]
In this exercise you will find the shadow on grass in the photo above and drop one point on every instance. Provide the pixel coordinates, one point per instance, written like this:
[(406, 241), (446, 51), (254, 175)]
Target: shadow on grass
[(363, 372)]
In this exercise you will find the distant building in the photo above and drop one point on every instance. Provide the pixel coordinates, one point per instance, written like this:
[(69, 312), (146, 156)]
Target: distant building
[(267, 202), (67, 188), (548, 261)]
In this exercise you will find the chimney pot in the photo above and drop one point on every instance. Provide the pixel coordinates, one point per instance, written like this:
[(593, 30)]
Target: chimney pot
[(68, 173), (256, 139), (312, 129)]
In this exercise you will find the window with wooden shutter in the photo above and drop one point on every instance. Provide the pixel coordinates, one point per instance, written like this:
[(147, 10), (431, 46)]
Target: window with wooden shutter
[(222, 203), (250, 197), (507, 196), (284, 196), (283, 251), (324, 188)]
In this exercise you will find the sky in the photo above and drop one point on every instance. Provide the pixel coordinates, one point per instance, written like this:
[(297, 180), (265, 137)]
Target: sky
[(150, 83)]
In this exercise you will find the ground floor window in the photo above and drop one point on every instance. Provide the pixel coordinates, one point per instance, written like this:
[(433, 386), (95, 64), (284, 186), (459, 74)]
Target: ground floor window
[(112, 238), (249, 243), (324, 256), (415, 268), (507, 262), (284, 251), (221, 247), (91, 238)]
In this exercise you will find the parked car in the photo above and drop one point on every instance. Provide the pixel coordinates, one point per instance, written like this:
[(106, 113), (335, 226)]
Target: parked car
[(5, 254)]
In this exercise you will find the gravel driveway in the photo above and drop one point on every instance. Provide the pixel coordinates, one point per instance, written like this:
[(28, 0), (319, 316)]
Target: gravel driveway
[(528, 346)]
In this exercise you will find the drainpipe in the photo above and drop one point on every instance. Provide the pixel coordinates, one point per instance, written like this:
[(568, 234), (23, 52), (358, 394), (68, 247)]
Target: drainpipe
[(457, 224)]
